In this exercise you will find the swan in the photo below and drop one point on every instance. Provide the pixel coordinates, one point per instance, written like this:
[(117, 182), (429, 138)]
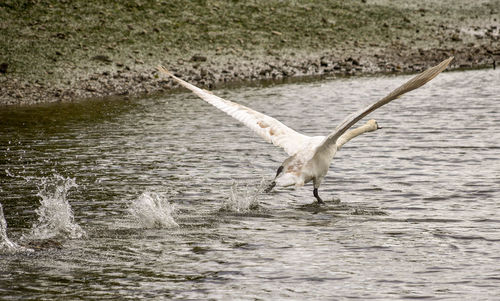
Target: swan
[(309, 157)]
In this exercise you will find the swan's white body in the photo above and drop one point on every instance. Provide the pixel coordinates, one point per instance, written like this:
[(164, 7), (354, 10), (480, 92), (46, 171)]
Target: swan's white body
[(307, 164), (310, 157)]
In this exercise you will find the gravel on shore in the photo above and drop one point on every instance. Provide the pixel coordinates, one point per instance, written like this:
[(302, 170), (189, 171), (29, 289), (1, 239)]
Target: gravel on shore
[(43, 60)]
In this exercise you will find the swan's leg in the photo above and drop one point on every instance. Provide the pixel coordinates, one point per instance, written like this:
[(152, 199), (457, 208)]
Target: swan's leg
[(316, 183), (316, 195)]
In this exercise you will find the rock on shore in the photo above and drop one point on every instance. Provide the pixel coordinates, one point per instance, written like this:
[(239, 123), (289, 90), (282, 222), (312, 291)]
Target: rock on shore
[(73, 60)]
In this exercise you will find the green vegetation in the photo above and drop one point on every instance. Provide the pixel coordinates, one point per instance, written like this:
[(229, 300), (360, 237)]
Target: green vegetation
[(58, 42), (41, 36)]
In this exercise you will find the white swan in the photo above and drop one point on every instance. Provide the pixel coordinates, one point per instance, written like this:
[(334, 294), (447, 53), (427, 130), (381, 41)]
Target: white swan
[(310, 157)]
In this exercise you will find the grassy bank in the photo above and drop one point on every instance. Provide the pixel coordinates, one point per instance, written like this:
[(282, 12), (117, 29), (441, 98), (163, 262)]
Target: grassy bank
[(58, 50)]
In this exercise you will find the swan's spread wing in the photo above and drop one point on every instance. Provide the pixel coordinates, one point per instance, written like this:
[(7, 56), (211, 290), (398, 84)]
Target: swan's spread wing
[(410, 85), (267, 127)]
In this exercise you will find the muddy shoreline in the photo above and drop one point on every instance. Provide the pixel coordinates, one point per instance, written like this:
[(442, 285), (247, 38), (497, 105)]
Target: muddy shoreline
[(412, 40), (234, 70)]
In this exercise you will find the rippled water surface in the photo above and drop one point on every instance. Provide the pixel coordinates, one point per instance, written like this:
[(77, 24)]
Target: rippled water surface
[(159, 197)]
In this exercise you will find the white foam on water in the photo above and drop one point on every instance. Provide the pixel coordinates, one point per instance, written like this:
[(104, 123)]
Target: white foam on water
[(151, 210), (243, 199), (55, 216), (6, 245)]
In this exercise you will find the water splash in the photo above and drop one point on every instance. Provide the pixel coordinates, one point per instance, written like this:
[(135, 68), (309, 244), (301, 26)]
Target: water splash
[(55, 217), (152, 211), (243, 199), (6, 245)]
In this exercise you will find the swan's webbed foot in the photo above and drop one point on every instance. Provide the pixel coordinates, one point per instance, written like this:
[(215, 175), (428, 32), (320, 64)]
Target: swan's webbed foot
[(316, 195), (270, 187)]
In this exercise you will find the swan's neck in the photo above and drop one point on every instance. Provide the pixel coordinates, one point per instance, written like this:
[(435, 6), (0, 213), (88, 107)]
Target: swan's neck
[(369, 127)]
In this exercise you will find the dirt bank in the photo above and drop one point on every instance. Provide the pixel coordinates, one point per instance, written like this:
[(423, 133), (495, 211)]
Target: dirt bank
[(68, 50)]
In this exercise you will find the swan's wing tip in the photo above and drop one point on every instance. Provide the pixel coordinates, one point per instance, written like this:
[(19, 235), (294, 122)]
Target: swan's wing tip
[(444, 64), (426, 76), (164, 70), (448, 61)]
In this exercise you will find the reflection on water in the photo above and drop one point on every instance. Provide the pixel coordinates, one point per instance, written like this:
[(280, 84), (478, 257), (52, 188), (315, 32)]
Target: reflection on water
[(412, 209)]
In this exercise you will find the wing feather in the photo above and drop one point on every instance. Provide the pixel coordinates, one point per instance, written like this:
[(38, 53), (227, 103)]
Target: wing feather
[(410, 85), (267, 127)]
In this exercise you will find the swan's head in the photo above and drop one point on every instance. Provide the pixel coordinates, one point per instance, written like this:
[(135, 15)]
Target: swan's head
[(284, 179), (372, 125), (287, 174)]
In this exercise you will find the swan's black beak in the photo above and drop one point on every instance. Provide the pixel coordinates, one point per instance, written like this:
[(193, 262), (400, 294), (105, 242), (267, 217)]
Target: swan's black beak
[(378, 127), (270, 187)]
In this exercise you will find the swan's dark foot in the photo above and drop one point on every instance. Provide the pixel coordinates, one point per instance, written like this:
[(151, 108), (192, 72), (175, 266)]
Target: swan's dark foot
[(270, 187), (316, 195)]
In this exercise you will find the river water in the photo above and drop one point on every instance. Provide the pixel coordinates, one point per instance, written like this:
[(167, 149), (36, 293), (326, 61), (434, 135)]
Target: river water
[(160, 197)]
